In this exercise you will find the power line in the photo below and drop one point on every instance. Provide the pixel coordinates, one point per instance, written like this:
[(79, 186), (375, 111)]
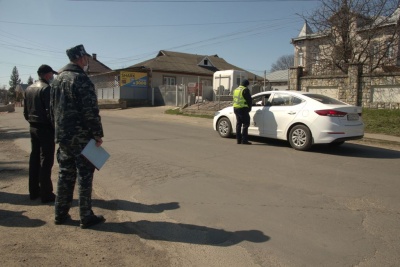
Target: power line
[(141, 26), (249, 31)]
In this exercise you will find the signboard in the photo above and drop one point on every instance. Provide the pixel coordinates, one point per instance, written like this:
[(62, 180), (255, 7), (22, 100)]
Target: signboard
[(133, 79)]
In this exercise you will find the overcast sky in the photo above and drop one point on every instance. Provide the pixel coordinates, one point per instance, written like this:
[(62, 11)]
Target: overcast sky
[(251, 34)]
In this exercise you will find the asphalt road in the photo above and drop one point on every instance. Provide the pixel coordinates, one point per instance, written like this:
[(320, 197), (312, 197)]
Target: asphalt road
[(210, 202)]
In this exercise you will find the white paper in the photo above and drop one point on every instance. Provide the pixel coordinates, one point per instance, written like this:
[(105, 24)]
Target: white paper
[(96, 155)]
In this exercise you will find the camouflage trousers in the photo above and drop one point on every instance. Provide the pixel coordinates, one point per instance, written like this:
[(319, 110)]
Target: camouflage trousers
[(73, 165)]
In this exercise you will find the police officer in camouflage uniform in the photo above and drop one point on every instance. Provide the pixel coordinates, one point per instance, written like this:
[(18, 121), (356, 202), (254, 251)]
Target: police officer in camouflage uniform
[(75, 114), (37, 113)]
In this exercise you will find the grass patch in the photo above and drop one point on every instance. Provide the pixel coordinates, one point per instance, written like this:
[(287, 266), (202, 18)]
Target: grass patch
[(382, 121), (175, 111)]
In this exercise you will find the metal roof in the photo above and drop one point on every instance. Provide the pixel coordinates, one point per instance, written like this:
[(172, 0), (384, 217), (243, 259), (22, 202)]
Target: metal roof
[(278, 76), (177, 62)]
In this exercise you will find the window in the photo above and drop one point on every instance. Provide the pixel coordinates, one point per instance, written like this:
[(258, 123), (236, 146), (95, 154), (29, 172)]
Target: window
[(285, 100), (389, 51), (260, 100), (169, 80), (375, 50), (205, 62), (315, 55), (301, 59)]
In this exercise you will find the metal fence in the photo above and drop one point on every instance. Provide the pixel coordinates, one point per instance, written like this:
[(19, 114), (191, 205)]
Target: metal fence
[(183, 94), (107, 86)]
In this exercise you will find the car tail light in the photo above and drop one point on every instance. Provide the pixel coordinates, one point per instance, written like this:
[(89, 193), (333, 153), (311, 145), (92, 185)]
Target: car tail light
[(330, 113)]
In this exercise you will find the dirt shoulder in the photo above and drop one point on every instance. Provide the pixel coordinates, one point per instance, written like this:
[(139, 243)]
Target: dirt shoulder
[(30, 238)]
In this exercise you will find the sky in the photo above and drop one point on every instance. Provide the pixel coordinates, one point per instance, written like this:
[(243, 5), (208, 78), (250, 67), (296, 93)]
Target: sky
[(250, 34)]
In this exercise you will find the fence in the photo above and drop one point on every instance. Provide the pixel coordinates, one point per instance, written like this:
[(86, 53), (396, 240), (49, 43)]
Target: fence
[(371, 90), (107, 86), (183, 94)]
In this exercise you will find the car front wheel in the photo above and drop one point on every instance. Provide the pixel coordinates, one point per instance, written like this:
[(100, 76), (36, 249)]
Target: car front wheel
[(224, 127), (300, 137)]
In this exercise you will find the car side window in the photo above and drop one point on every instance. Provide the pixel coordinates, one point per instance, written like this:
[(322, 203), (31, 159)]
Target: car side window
[(260, 100), (277, 100), (285, 100), (296, 100)]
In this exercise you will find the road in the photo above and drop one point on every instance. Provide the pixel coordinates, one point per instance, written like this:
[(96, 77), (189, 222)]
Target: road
[(209, 202)]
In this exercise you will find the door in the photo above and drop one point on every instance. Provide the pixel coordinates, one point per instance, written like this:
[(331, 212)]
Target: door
[(283, 109), (257, 112)]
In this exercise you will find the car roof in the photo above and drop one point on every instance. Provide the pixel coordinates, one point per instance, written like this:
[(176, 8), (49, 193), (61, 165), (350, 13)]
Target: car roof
[(282, 91)]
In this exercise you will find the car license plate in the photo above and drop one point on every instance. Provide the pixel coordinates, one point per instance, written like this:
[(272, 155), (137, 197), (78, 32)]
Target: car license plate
[(352, 117)]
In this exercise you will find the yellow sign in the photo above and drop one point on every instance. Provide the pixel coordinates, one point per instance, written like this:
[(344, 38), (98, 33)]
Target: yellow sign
[(133, 79)]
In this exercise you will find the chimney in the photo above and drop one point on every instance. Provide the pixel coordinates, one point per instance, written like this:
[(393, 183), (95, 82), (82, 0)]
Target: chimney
[(94, 56)]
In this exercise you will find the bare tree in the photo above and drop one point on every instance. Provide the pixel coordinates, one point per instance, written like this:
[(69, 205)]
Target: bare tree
[(283, 63), (356, 32)]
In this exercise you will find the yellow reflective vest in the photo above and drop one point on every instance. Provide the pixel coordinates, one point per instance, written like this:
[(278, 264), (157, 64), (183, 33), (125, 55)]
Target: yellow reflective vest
[(238, 100)]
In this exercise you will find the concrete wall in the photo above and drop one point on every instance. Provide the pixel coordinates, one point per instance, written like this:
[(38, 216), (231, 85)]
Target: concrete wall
[(378, 90)]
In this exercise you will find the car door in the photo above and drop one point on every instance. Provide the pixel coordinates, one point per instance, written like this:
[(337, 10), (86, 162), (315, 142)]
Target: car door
[(283, 109), (257, 115), (256, 121)]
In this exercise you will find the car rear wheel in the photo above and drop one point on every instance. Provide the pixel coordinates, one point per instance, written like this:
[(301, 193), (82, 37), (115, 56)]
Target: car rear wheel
[(300, 137), (224, 127)]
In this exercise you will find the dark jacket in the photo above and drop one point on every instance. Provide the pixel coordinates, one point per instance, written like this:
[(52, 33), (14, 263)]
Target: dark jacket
[(37, 103), (247, 96), (73, 107)]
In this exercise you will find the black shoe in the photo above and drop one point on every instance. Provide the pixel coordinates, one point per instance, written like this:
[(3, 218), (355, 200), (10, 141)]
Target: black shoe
[(246, 143), (62, 219), (91, 220), (49, 198), (238, 142)]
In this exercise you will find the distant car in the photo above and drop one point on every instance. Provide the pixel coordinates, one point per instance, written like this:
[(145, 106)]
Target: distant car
[(302, 118)]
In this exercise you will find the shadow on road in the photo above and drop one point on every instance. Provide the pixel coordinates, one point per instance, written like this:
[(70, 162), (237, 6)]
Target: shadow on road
[(184, 233), (358, 151), (117, 204), (17, 199), (12, 134), (17, 219), (345, 150), (11, 169)]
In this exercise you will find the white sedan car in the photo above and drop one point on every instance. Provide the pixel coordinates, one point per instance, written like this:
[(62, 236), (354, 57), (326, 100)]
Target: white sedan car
[(302, 118)]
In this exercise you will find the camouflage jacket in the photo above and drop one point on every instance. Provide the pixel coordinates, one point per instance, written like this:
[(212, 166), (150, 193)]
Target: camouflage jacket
[(73, 107)]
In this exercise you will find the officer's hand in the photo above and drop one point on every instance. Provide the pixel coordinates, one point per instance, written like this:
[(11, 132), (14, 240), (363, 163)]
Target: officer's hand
[(99, 142)]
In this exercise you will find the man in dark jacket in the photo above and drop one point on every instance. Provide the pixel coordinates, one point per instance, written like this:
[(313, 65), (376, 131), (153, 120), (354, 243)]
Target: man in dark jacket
[(242, 106), (36, 112), (75, 113)]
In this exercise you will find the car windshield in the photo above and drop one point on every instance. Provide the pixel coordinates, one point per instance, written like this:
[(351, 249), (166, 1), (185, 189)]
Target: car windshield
[(325, 99)]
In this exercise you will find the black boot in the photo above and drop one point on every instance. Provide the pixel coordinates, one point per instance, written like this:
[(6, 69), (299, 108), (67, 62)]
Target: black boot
[(91, 220)]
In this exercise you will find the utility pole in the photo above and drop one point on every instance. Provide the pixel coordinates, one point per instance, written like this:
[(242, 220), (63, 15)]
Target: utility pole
[(265, 77)]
